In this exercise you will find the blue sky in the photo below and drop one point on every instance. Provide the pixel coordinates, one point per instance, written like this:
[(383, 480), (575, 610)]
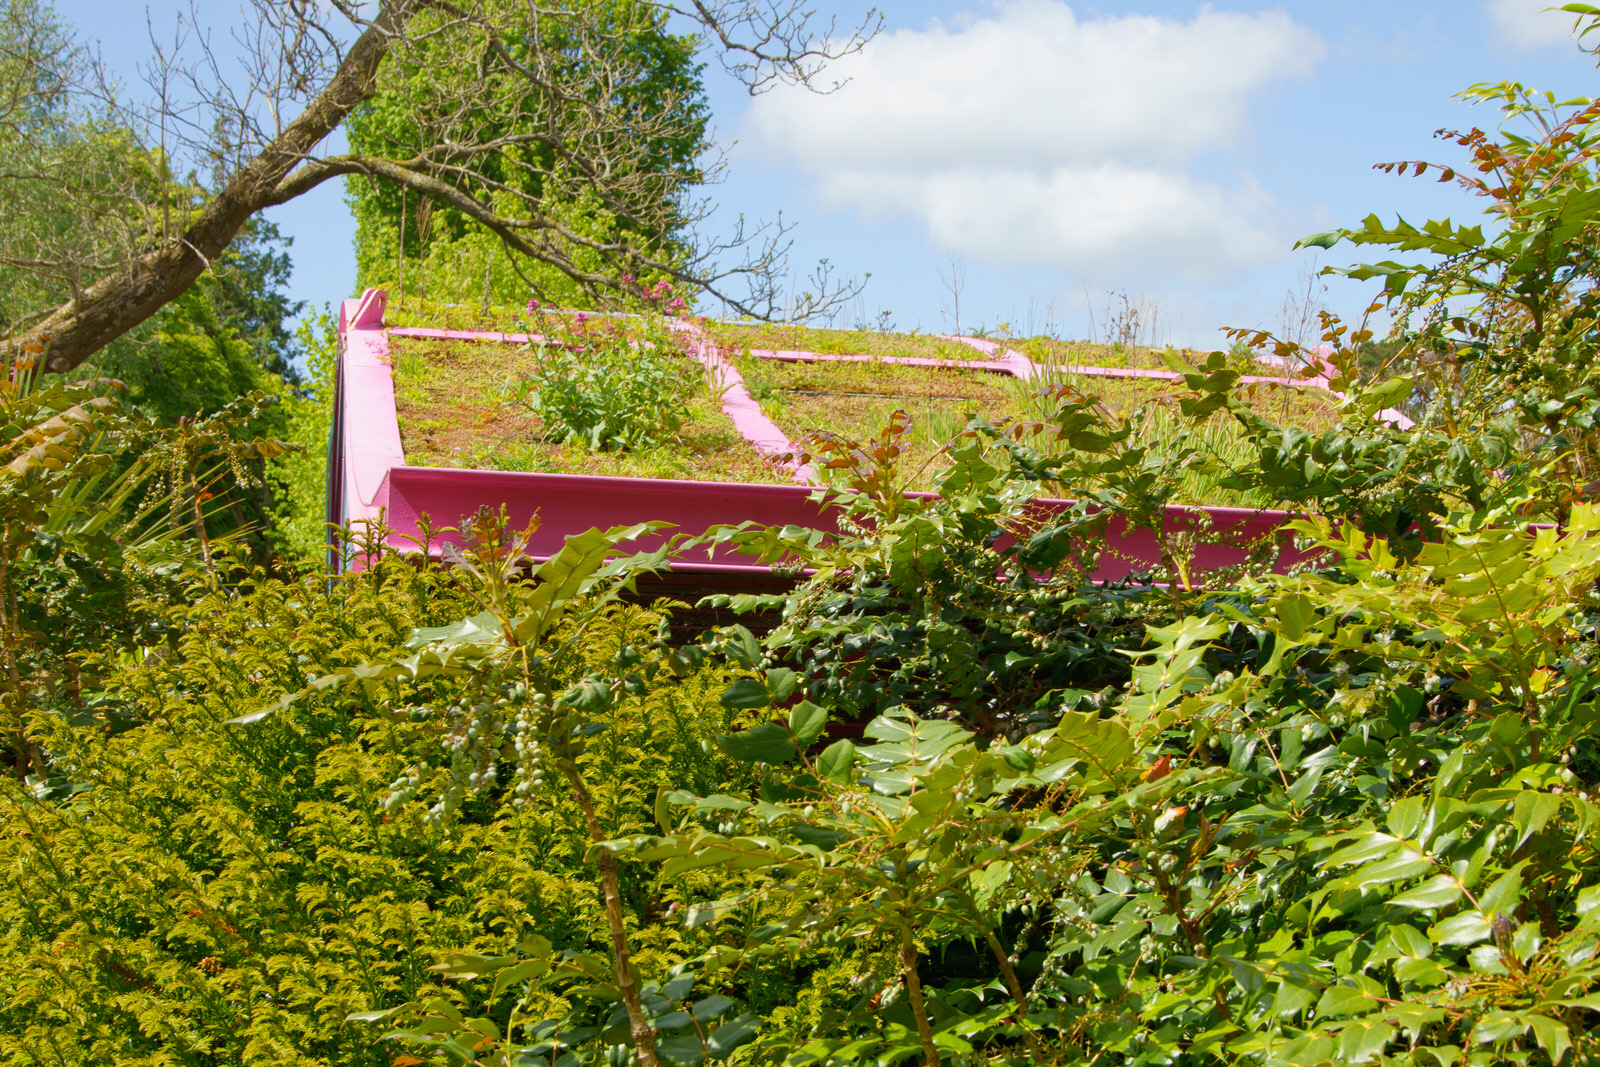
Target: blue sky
[(1053, 153)]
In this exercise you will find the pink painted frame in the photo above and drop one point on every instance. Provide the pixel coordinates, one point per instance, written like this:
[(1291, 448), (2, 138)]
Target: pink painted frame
[(369, 480)]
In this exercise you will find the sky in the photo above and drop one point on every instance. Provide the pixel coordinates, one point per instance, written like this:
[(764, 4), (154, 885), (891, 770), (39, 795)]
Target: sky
[(1043, 166)]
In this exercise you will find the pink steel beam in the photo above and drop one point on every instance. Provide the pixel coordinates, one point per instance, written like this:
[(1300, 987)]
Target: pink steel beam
[(740, 407)]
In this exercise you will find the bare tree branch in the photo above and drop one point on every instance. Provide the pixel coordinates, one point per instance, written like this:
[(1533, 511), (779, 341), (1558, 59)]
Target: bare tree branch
[(528, 118)]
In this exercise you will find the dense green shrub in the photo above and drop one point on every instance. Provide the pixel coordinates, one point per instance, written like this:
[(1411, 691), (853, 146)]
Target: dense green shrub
[(192, 890)]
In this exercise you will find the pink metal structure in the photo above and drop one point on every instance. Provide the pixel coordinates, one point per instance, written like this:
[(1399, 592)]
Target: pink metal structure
[(369, 480)]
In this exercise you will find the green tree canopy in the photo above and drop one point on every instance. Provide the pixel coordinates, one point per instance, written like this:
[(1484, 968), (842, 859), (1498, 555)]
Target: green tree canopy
[(623, 57)]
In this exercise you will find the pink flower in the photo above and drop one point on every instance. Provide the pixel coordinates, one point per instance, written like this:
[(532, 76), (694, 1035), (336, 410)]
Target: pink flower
[(533, 305)]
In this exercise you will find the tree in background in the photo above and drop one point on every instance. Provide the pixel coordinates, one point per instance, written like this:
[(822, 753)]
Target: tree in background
[(77, 190), (131, 243), (406, 241)]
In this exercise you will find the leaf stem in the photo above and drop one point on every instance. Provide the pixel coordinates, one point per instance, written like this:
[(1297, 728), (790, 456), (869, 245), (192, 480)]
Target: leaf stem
[(639, 1028), (919, 1008)]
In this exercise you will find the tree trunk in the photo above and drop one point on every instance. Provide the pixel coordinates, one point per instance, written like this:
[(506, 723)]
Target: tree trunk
[(639, 1028), (119, 302), (919, 1008)]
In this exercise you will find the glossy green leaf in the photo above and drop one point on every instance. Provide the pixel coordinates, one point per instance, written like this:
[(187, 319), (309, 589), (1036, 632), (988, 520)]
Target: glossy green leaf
[(767, 743), (1344, 1000), (1362, 1042), (1438, 892), (1467, 928), (806, 722), (836, 761), (746, 693)]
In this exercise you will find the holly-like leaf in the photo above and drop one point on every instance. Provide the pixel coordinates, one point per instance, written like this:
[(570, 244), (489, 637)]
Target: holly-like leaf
[(806, 723), (767, 743)]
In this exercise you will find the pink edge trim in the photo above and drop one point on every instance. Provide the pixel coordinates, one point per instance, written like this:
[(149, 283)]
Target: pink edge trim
[(753, 425), (376, 483), (371, 430)]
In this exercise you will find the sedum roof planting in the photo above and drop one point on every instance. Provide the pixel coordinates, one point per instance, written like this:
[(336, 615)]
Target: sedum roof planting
[(598, 420)]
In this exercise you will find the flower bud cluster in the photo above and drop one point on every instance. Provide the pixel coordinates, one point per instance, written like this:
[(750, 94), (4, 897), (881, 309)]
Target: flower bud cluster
[(502, 725)]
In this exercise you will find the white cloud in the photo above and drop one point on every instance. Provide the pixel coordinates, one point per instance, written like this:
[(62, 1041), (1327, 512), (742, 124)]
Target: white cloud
[(1528, 24), (1031, 137), (1106, 222)]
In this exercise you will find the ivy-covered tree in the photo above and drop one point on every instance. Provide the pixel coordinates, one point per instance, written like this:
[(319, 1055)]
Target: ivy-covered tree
[(638, 67)]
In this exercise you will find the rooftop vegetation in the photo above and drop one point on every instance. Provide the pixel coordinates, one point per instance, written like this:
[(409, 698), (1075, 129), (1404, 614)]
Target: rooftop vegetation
[(508, 400)]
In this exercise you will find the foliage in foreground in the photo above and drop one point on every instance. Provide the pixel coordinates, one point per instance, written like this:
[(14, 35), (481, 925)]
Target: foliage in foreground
[(960, 806), (198, 891)]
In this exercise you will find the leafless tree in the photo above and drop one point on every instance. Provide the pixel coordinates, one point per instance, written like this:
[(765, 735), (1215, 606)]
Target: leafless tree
[(954, 281), (125, 238)]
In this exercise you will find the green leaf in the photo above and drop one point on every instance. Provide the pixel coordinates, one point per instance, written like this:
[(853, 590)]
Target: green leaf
[(469, 965), (1362, 1041), (1294, 614), (835, 762), (1386, 394), (1590, 1003), (781, 684), (1498, 1027), (1361, 847), (987, 881), (710, 1007), (482, 628), (819, 836), (1105, 744), (1406, 816), (1434, 893), (1588, 904), (908, 739), (741, 646), (518, 972), (1344, 1000), (731, 1034), (806, 722), (1553, 1036), (746, 693), (1414, 1017), (1531, 811), (682, 1048), (767, 743), (1468, 928), (1504, 896), (1396, 868), (1321, 240), (590, 696)]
